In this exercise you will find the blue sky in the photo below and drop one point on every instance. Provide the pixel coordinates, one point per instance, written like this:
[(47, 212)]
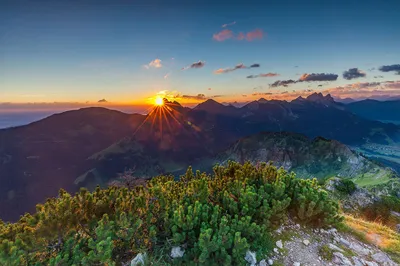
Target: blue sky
[(79, 51)]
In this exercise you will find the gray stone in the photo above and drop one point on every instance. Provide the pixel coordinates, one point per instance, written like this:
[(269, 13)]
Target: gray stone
[(382, 258), (371, 263), (177, 252), (306, 242), (276, 250), (360, 249), (296, 263), (270, 262), (251, 257), (398, 228), (279, 244), (335, 248), (263, 263), (139, 259), (340, 259), (357, 261), (345, 242)]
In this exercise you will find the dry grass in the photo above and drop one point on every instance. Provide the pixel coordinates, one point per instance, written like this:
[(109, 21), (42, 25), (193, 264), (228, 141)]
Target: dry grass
[(376, 233)]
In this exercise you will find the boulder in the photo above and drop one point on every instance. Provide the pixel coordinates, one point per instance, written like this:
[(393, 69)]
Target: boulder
[(340, 259), (139, 260), (177, 252), (279, 244), (251, 257)]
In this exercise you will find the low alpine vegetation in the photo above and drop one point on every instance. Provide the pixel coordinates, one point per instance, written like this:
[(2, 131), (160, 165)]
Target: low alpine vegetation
[(214, 219)]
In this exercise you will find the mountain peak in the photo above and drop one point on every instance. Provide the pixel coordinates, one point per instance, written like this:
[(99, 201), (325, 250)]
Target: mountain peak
[(320, 98)]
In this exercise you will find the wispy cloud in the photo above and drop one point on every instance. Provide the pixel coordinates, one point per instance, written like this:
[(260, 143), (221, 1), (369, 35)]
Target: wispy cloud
[(353, 73), (223, 35), (198, 64), (156, 63), (229, 24), (265, 75), (167, 75), (199, 96), (238, 66), (283, 83), (228, 34), (251, 35), (102, 101)]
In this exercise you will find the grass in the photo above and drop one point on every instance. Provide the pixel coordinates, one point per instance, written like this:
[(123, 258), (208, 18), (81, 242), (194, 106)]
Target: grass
[(325, 252), (368, 180), (372, 232)]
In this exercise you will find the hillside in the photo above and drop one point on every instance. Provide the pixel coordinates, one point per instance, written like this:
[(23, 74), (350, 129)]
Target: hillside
[(38, 159), (319, 157), (91, 146), (240, 215), (386, 111)]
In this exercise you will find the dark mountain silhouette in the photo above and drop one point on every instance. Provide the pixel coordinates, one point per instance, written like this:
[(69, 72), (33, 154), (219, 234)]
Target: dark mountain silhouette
[(376, 110), (92, 145)]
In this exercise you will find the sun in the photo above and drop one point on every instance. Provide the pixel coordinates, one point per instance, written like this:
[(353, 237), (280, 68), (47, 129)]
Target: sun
[(159, 101)]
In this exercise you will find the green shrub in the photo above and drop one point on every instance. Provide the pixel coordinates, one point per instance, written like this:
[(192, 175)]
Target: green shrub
[(215, 218), (346, 187)]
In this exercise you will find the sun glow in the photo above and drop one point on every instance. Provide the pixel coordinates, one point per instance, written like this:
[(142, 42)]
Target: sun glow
[(159, 101)]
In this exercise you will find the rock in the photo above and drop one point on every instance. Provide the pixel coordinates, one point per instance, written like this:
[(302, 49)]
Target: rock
[(270, 262), (251, 257), (335, 248), (332, 231), (382, 259), (263, 263), (345, 242), (279, 244), (276, 250), (340, 259), (360, 249), (297, 226), (371, 263), (177, 252), (398, 228), (296, 263), (139, 259), (357, 261), (306, 242)]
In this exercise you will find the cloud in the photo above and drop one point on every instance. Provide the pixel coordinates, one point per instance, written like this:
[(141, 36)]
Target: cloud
[(261, 93), (102, 101), (167, 75), (199, 64), (376, 77), (393, 85), (223, 35), (156, 63), (283, 83), (228, 34), (229, 24), (318, 77), (265, 75), (238, 66), (251, 35), (390, 68), (199, 96), (353, 73)]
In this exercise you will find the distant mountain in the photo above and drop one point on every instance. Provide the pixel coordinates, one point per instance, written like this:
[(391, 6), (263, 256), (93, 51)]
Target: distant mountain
[(319, 157), (38, 159), (376, 110), (92, 145)]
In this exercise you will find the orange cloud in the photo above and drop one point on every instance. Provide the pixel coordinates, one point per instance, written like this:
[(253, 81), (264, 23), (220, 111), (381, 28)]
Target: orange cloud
[(253, 35), (228, 34), (223, 35)]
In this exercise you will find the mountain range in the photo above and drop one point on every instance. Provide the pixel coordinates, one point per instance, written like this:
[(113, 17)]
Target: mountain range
[(92, 145)]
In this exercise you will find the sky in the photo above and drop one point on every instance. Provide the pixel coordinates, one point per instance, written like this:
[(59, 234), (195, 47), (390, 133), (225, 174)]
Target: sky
[(63, 54)]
